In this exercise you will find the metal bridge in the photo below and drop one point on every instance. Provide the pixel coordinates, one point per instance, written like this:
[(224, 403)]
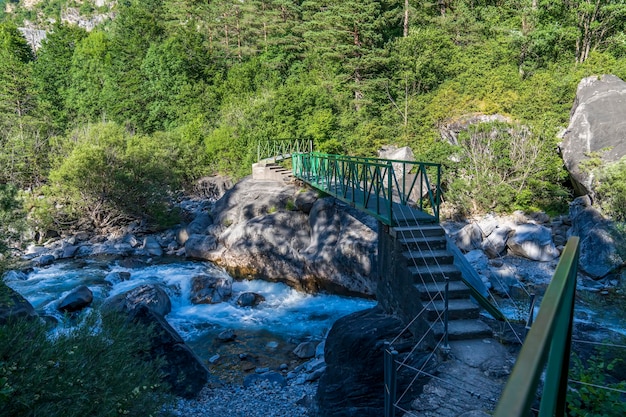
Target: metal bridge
[(400, 192)]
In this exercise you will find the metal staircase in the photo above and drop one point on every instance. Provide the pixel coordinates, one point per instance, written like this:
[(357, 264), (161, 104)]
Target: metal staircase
[(430, 263)]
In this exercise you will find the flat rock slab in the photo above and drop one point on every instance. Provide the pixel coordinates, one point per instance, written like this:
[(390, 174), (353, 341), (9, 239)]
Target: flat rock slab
[(475, 353)]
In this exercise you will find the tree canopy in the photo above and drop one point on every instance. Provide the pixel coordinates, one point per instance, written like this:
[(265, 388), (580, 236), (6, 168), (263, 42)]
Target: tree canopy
[(199, 84)]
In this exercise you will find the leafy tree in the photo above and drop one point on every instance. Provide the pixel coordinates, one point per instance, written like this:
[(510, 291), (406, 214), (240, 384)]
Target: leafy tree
[(91, 64), (52, 71), (107, 176)]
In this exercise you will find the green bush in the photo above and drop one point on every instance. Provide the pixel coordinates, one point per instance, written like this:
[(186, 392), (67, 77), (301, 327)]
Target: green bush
[(109, 176), (611, 191), (590, 399), (95, 369)]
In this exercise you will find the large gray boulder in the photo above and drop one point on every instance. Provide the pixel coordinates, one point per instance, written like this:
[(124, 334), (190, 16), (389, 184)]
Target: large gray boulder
[(533, 242), (14, 306), (210, 289), (78, 299), (596, 128), (352, 384), (149, 295), (272, 231), (598, 241)]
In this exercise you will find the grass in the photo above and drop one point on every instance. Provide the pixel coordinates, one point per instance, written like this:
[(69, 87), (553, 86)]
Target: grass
[(98, 369)]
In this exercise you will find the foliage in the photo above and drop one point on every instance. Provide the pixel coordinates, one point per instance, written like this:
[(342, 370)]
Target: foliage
[(590, 398), (99, 368), (498, 169), (611, 190), (108, 175), (9, 216), (201, 83)]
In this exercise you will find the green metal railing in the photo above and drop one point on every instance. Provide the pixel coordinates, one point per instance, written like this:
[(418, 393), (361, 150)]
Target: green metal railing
[(377, 186), (549, 339), (277, 149)]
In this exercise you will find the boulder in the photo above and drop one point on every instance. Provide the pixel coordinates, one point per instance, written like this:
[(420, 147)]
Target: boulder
[(250, 299), (117, 277), (468, 238), (305, 350), (212, 188), (596, 128), (44, 260), (533, 242), (151, 247), (495, 243), (200, 247), (599, 256), (149, 295), (305, 200), (14, 276), (352, 383), (210, 289), (184, 371), (14, 306), (76, 300), (197, 226)]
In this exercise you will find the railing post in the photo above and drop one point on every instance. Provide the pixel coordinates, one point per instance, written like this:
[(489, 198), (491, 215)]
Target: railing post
[(446, 345), (390, 381), (389, 190)]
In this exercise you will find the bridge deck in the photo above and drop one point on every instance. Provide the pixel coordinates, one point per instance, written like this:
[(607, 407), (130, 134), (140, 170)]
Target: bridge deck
[(373, 204)]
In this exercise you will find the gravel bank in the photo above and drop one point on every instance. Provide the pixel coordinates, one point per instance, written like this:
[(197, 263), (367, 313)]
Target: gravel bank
[(260, 400)]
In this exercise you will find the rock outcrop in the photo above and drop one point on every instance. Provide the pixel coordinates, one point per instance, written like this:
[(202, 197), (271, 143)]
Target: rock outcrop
[(14, 306), (352, 384), (596, 129), (598, 241), (264, 229)]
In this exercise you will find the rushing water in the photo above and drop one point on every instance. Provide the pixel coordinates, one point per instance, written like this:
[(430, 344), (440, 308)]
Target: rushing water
[(267, 333)]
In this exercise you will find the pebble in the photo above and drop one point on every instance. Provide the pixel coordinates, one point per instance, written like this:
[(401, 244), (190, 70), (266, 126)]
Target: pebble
[(260, 400)]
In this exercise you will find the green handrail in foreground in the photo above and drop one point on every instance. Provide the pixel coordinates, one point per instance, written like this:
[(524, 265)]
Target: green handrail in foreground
[(282, 148), (549, 337), (377, 186)]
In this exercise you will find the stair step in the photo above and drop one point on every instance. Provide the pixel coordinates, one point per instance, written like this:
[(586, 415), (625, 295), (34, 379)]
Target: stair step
[(424, 243), (417, 231), (463, 330), (428, 257), (457, 310), (417, 222), (434, 273), (436, 290)]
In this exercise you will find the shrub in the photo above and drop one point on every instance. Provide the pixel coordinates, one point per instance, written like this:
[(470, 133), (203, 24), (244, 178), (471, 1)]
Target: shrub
[(590, 399), (611, 190), (95, 369)]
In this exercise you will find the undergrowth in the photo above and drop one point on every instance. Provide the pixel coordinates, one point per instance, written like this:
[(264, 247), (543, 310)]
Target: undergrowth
[(98, 369)]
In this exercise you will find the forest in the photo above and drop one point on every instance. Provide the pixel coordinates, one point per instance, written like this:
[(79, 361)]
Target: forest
[(110, 125)]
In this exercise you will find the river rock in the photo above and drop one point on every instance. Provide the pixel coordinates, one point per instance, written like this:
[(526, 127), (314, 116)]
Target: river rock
[(117, 277), (209, 289), (214, 187), (599, 256), (197, 226), (352, 384), (468, 238), (265, 377), (184, 371), (14, 276), (44, 260), (596, 128), (496, 242), (533, 242), (200, 247), (76, 300), (305, 350), (151, 247), (14, 306), (149, 295), (250, 299)]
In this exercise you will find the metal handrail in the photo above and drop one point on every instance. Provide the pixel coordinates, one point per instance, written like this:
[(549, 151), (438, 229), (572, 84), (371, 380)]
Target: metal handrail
[(375, 185), (549, 339), (277, 149)]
